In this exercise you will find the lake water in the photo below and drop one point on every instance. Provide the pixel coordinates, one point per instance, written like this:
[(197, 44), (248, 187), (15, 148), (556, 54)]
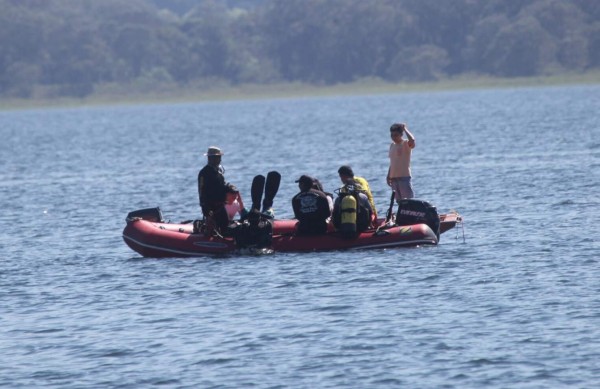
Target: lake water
[(515, 305)]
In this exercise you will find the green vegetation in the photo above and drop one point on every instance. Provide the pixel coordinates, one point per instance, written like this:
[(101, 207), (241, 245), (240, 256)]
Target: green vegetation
[(87, 51)]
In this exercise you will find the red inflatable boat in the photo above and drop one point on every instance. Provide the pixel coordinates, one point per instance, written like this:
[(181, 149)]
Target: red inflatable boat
[(151, 237)]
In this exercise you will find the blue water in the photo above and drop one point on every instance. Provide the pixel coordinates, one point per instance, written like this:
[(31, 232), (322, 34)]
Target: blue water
[(515, 305)]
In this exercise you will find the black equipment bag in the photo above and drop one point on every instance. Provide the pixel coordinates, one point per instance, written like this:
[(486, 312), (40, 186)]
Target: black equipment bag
[(150, 214), (254, 232)]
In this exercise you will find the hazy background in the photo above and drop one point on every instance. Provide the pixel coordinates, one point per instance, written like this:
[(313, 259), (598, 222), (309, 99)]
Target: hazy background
[(58, 48)]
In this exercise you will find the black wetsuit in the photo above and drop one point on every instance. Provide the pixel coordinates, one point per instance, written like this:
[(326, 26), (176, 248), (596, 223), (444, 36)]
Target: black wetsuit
[(212, 191), (311, 208)]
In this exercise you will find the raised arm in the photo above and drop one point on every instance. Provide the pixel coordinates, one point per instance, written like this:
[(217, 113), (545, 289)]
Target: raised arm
[(411, 138), (239, 199)]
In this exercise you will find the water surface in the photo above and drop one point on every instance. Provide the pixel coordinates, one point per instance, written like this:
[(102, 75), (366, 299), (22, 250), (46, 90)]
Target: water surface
[(516, 305)]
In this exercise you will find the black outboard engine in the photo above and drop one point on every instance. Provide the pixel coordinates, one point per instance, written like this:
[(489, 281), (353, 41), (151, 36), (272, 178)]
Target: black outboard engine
[(411, 211), (150, 214)]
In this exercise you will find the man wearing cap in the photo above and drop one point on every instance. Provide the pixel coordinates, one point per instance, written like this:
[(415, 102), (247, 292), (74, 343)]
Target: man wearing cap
[(361, 185), (212, 190), (311, 208)]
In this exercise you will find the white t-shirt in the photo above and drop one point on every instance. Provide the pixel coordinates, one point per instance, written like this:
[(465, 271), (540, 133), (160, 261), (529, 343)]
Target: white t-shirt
[(400, 159)]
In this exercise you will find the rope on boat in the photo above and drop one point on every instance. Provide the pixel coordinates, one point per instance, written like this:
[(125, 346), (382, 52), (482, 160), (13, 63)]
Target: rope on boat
[(461, 222)]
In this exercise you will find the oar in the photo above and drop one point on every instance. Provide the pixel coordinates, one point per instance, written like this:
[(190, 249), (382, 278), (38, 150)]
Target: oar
[(390, 211), (271, 188), (381, 230), (388, 217), (256, 191)]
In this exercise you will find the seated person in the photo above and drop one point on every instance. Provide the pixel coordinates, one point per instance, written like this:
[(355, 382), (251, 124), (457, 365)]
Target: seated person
[(311, 208), (234, 204), (317, 185), (361, 185)]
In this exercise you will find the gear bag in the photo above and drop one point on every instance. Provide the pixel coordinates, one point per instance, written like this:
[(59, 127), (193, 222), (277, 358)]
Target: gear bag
[(254, 232), (149, 214)]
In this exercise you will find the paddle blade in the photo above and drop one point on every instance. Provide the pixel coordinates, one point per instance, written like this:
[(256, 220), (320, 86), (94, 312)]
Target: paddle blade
[(256, 191), (271, 188)]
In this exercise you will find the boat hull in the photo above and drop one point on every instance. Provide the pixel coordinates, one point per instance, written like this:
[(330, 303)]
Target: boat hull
[(155, 239), (398, 236)]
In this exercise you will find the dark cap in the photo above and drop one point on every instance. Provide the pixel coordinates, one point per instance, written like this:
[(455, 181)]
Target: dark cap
[(230, 188), (346, 171), (306, 180)]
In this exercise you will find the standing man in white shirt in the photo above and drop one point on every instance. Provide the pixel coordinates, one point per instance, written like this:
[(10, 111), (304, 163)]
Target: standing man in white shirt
[(399, 176)]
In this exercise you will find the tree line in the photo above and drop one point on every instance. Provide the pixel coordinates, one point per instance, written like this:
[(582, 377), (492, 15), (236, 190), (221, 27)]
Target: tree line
[(68, 48)]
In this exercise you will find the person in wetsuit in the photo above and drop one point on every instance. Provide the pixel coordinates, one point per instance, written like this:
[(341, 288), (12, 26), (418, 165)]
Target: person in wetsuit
[(311, 208), (212, 190)]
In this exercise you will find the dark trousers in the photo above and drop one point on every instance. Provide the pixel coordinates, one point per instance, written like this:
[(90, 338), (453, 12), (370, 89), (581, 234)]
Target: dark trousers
[(217, 216)]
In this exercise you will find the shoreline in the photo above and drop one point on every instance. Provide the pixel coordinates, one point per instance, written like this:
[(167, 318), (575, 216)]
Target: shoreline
[(118, 95)]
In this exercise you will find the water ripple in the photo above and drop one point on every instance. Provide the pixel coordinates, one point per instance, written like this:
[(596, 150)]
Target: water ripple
[(513, 305)]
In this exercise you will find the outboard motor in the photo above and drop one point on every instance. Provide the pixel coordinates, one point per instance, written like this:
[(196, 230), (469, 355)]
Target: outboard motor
[(149, 214), (411, 211)]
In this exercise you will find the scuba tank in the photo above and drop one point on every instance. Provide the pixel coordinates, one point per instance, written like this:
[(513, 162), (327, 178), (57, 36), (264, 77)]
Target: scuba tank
[(348, 208)]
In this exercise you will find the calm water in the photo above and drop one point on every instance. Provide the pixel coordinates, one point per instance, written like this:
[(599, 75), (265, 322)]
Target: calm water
[(516, 305)]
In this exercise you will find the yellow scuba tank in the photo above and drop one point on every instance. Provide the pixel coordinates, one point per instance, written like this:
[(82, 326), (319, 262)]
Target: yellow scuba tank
[(348, 216)]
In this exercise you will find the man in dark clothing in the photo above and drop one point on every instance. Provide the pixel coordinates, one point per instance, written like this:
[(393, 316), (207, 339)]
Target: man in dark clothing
[(212, 190), (311, 208)]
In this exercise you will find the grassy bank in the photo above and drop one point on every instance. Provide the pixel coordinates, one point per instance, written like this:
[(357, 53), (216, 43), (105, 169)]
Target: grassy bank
[(136, 94)]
